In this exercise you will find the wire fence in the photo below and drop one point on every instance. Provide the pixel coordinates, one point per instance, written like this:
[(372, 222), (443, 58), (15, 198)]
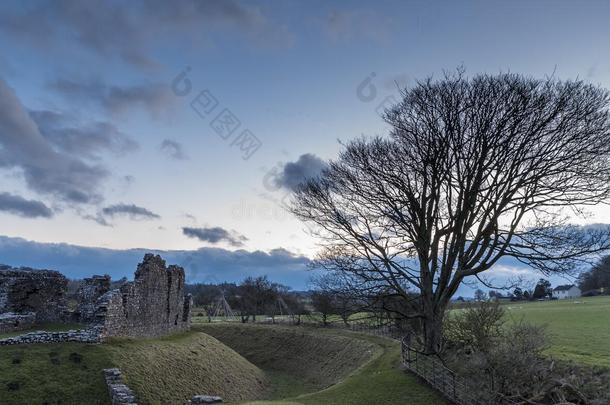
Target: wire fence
[(444, 380)]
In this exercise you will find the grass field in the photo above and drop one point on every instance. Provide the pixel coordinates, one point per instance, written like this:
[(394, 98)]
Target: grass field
[(579, 329), (294, 358), (53, 374)]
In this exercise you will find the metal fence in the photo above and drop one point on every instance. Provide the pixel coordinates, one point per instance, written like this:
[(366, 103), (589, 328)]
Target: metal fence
[(435, 373)]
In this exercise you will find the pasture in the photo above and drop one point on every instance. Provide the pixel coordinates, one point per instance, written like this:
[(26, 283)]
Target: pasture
[(579, 329)]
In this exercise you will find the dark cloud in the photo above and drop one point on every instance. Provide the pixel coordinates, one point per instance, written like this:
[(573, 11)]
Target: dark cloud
[(128, 30), (18, 205), (84, 140), (200, 265), (173, 149), (45, 169), (155, 98), (294, 173), (215, 235), (130, 210)]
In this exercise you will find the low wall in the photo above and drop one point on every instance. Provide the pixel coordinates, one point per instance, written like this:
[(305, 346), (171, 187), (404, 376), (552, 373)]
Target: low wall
[(91, 335), (119, 392), (10, 322)]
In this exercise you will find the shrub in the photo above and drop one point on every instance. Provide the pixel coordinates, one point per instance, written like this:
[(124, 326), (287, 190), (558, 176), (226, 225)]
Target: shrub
[(474, 328), (500, 359)]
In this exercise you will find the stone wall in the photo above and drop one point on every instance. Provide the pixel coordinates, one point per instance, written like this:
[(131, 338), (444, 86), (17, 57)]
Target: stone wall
[(25, 290), (152, 305), (87, 296), (91, 335), (119, 392), (10, 321)]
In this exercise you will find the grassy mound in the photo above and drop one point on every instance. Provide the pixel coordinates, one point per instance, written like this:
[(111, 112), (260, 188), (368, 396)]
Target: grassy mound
[(173, 369), (66, 373)]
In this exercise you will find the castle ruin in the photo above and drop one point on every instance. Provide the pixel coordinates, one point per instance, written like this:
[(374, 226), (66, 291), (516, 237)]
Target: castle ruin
[(153, 304)]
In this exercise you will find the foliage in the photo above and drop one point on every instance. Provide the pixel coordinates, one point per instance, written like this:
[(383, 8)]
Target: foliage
[(475, 327), (499, 357), (542, 289), (597, 278)]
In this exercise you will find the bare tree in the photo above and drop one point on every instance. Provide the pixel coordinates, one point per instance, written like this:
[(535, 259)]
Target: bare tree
[(474, 169)]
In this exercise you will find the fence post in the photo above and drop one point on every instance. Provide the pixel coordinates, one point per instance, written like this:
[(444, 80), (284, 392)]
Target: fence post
[(453, 381)]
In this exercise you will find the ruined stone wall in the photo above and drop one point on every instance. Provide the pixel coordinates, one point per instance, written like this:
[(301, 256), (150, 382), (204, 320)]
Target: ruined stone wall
[(154, 304), (25, 290), (87, 296)]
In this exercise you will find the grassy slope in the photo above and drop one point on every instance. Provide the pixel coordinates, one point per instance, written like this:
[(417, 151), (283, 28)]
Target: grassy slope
[(317, 359), (377, 380), (161, 371), (173, 369), (49, 374), (579, 329)]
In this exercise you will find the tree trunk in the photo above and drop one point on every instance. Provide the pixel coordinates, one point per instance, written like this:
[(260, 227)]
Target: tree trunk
[(433, 327), (433, 330)]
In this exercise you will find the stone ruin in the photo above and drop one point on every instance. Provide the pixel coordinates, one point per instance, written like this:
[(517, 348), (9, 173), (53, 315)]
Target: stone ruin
[(153, 304), (87, 296), (29, 296)]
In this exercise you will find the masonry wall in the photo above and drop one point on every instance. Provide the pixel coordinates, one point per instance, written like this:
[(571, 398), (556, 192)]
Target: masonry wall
[(152, 305), (88, 294), (25, 290)]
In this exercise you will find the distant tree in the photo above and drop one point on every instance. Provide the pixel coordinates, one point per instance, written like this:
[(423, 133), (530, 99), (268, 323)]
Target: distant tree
[(542, 289), (518, 293), (479, 295), (597, 277), (322, 302), (257, 297), (527, 295), (475, 169), (495, 295), (460, 299)]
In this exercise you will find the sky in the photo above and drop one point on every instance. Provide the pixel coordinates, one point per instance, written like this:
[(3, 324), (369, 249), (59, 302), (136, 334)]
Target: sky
[(181, 127)]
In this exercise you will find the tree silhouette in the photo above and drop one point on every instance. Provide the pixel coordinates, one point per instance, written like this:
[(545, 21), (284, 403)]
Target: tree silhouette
[(475, 169)]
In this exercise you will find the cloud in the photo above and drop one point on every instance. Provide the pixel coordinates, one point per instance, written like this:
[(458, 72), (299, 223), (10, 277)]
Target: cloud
[(18, 205), (130, 210), (45, 170), (128, 30), (173, 149), (201, 265), (84, 140), (155, 98), (294, 173), (215, 235), (348, 25)]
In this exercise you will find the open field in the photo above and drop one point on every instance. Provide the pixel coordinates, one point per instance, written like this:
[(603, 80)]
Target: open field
[(579, 329)]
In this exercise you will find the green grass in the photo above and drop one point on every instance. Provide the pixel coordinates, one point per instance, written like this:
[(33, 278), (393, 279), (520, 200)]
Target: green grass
[(53, 373), (173, 369), (579, 329), (49, 327), (351, 379)]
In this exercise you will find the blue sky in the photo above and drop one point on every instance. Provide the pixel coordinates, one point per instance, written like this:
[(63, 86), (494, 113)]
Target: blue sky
[(99, 151)]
